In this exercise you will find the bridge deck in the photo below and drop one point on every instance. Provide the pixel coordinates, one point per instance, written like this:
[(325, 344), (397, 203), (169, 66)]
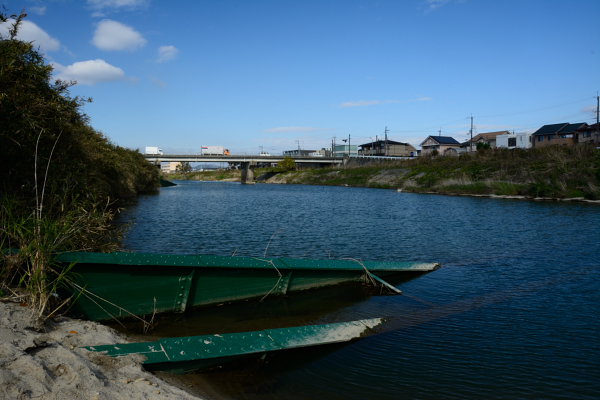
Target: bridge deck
[(238, 158)]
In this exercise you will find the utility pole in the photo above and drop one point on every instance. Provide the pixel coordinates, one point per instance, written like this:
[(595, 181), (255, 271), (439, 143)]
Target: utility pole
[(333, 147), (440, 132), (386, 142), (349, 147), (471, 142), (597, 118)]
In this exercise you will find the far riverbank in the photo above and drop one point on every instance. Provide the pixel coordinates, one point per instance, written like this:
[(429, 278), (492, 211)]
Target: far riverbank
[(551, 173)]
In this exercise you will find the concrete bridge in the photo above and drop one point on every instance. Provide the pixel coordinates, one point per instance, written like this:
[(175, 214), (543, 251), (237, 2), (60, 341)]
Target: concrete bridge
[(247, 162)]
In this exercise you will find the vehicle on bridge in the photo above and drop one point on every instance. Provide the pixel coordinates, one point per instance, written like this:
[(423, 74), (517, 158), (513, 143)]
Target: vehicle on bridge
[(214, 151), (154, 151)]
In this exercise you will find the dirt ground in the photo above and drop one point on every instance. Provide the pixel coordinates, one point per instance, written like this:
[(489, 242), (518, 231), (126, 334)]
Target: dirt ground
[(46, 362)]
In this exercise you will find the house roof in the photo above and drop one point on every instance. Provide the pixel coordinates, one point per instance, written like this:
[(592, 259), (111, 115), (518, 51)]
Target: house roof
[(442, 140), (488, 136), (587, 128), (378, 142), (571, 128), (548, 129)]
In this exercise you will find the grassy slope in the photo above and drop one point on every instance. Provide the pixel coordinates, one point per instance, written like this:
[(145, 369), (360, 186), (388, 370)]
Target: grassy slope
[(547, 172)]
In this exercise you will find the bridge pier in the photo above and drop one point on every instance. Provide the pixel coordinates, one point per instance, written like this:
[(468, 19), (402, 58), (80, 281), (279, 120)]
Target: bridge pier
[(247, 173)]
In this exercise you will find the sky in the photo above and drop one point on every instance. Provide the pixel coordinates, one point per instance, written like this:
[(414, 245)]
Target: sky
[(277, 75)]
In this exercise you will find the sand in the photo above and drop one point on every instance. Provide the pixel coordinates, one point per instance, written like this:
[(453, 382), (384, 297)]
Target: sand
[(46, 362)]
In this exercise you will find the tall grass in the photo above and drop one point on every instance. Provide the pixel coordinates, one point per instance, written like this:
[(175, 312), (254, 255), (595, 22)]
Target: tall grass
[(32, 243)]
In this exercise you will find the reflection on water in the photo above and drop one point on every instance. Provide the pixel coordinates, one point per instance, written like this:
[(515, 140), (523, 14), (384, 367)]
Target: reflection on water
[(511, 313)]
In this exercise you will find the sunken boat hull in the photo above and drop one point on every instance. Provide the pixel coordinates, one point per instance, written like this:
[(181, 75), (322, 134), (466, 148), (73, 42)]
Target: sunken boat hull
[(116, 285)]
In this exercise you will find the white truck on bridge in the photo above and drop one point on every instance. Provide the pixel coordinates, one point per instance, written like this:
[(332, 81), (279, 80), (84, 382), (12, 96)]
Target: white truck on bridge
[(154, 151), (214, 151)]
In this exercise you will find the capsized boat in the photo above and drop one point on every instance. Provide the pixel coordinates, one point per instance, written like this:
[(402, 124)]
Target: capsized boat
[(120, 284), (184, 355)]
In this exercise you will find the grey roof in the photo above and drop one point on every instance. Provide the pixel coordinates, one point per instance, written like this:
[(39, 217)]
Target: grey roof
[(548, 129), (571, 128)]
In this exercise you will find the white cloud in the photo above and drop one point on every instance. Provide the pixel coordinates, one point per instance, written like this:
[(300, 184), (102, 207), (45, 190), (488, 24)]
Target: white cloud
[(30, 32), (166, 53), (103, 4), (424, 99), (589, 110), (158, 82), (112, 35), (89, 72), (435, 4), (38, 10), (291, 129)]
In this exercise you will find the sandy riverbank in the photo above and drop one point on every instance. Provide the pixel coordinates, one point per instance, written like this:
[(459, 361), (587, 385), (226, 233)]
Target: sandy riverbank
[(47, 362)]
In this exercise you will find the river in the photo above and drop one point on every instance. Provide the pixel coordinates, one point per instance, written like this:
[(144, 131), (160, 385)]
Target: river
[(512, 312)]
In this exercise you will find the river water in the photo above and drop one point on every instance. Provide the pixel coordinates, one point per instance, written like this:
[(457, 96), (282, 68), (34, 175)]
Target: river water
[(512, 313)]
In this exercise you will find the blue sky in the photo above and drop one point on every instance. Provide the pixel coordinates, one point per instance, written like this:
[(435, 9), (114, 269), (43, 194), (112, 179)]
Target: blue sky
[(242, 74)]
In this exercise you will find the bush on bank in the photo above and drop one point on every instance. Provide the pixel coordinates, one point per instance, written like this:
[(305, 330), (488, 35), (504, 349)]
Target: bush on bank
[(60, 177)]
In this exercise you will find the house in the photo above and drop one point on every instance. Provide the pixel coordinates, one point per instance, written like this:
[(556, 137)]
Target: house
[(387, 148), (588, 134), (439, 143), (518, 140), (485, 138), (562, 134)]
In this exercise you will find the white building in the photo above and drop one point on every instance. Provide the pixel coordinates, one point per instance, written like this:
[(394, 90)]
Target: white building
[(514, 140), (169, 167)]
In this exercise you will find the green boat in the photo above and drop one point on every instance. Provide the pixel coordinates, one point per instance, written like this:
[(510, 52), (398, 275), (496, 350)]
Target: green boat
[(116, 285), (184, 355)]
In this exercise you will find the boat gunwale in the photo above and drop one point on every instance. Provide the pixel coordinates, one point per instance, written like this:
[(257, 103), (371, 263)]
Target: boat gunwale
[(210, 261)]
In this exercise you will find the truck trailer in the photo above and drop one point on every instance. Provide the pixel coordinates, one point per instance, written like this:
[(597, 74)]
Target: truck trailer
[(214, 151), (154, 151)]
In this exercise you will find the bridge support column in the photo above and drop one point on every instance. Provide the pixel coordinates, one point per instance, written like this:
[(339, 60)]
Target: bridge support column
[(247, 173)]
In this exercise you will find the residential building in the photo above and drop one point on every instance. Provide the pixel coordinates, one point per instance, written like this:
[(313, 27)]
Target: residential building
[(169, 167), (560, 134), (485, 138), (390, 148), (588, 134), (518, 140), (439, 143)]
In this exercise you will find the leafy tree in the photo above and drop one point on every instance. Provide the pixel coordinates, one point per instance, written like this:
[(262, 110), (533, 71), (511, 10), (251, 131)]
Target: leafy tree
[(287, 164), (184, 167), (59, 176)]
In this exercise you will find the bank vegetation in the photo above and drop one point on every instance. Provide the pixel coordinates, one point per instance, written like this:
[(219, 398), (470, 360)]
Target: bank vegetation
[(552, 171), (61, 180)]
